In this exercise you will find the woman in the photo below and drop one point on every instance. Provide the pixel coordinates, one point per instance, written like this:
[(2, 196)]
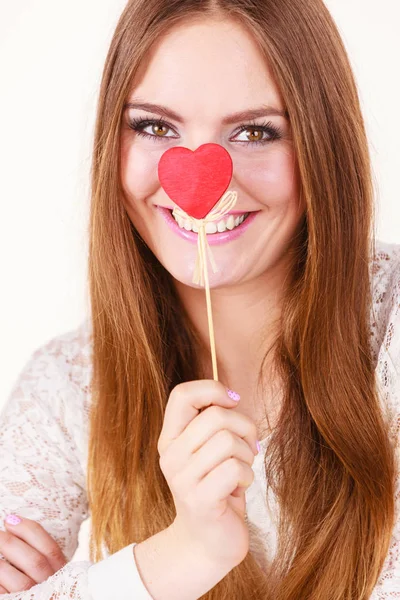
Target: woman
[(306, 321)]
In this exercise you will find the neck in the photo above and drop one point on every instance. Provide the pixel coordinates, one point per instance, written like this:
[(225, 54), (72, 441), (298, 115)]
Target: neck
[(245, 320)]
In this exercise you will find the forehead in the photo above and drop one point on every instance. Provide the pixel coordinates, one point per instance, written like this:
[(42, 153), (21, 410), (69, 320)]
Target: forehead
[(206, 67)]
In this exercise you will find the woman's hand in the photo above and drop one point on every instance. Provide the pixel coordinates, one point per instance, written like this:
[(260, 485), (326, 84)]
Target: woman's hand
[(33, 554), (206, 458)]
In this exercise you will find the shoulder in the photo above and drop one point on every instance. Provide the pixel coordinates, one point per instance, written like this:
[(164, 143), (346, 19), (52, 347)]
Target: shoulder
[(385, 328), (385, 267), (58, 373), (49, 403), (385, 282), (67, 356)]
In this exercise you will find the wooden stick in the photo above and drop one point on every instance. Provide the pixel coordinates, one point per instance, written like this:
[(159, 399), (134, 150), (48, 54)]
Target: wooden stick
[(202, 233), (224, 205)]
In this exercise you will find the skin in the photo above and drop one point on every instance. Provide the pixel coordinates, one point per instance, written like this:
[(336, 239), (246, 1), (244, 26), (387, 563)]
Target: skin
[(220, 72), (32, 553)]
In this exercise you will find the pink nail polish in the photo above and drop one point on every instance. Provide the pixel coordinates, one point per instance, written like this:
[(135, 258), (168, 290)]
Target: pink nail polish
[(233, 395), (13, 519), (258, 446)]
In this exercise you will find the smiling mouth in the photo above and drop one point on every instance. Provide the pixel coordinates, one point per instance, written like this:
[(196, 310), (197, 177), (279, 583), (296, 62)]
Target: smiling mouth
[(228, 223)]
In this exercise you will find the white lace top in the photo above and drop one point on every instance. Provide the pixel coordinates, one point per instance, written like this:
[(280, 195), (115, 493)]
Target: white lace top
[(43, 454)]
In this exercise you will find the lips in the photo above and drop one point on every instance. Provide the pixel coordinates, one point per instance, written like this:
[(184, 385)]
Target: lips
[(215, 238)]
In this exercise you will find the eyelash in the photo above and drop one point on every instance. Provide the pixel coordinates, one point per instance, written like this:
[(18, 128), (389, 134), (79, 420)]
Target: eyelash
[(138, 124)]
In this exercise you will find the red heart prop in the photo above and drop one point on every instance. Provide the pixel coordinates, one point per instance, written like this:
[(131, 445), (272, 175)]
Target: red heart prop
[(195, 181)]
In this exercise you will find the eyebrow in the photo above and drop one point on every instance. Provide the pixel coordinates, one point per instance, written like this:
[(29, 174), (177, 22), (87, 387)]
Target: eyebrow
[(243, 115)]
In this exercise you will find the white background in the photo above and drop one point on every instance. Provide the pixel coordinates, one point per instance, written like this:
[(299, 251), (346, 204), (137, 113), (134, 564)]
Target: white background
[(51, 59)]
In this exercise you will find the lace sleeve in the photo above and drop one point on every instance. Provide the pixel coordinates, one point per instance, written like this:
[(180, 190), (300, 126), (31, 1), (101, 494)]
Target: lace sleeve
[(388, 585), (42, 437)]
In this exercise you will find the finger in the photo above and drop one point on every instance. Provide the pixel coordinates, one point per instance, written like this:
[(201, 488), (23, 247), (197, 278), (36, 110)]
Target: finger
[(224, 480), (28, 560), (223, 445), (192, 468), (39, 539), (184, 404), (214, 419), (12, 580)]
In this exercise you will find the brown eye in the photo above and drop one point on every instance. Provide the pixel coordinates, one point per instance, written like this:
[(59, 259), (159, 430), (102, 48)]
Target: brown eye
[(160, 130), (256, 135), (156, 128)]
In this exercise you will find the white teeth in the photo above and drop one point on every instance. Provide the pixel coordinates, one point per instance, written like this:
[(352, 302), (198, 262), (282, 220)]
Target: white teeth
[(211, 227), (229, 222), (221, 226)]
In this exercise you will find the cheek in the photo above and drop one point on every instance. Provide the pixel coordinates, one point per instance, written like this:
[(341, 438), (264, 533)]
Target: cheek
[(139, 171), (271, 178)]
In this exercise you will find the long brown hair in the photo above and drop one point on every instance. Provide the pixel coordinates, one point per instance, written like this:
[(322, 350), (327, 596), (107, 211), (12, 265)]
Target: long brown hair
[(330, 461)]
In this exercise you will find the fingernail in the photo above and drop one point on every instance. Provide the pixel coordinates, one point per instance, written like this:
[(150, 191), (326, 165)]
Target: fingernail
[(13, 519), (258, 446), (233, 395)]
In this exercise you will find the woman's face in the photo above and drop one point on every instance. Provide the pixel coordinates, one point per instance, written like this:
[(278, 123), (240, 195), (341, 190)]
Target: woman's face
[(201, 73)]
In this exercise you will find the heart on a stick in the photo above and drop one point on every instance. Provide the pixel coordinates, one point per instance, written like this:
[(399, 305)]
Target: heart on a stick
[(195, 181)]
